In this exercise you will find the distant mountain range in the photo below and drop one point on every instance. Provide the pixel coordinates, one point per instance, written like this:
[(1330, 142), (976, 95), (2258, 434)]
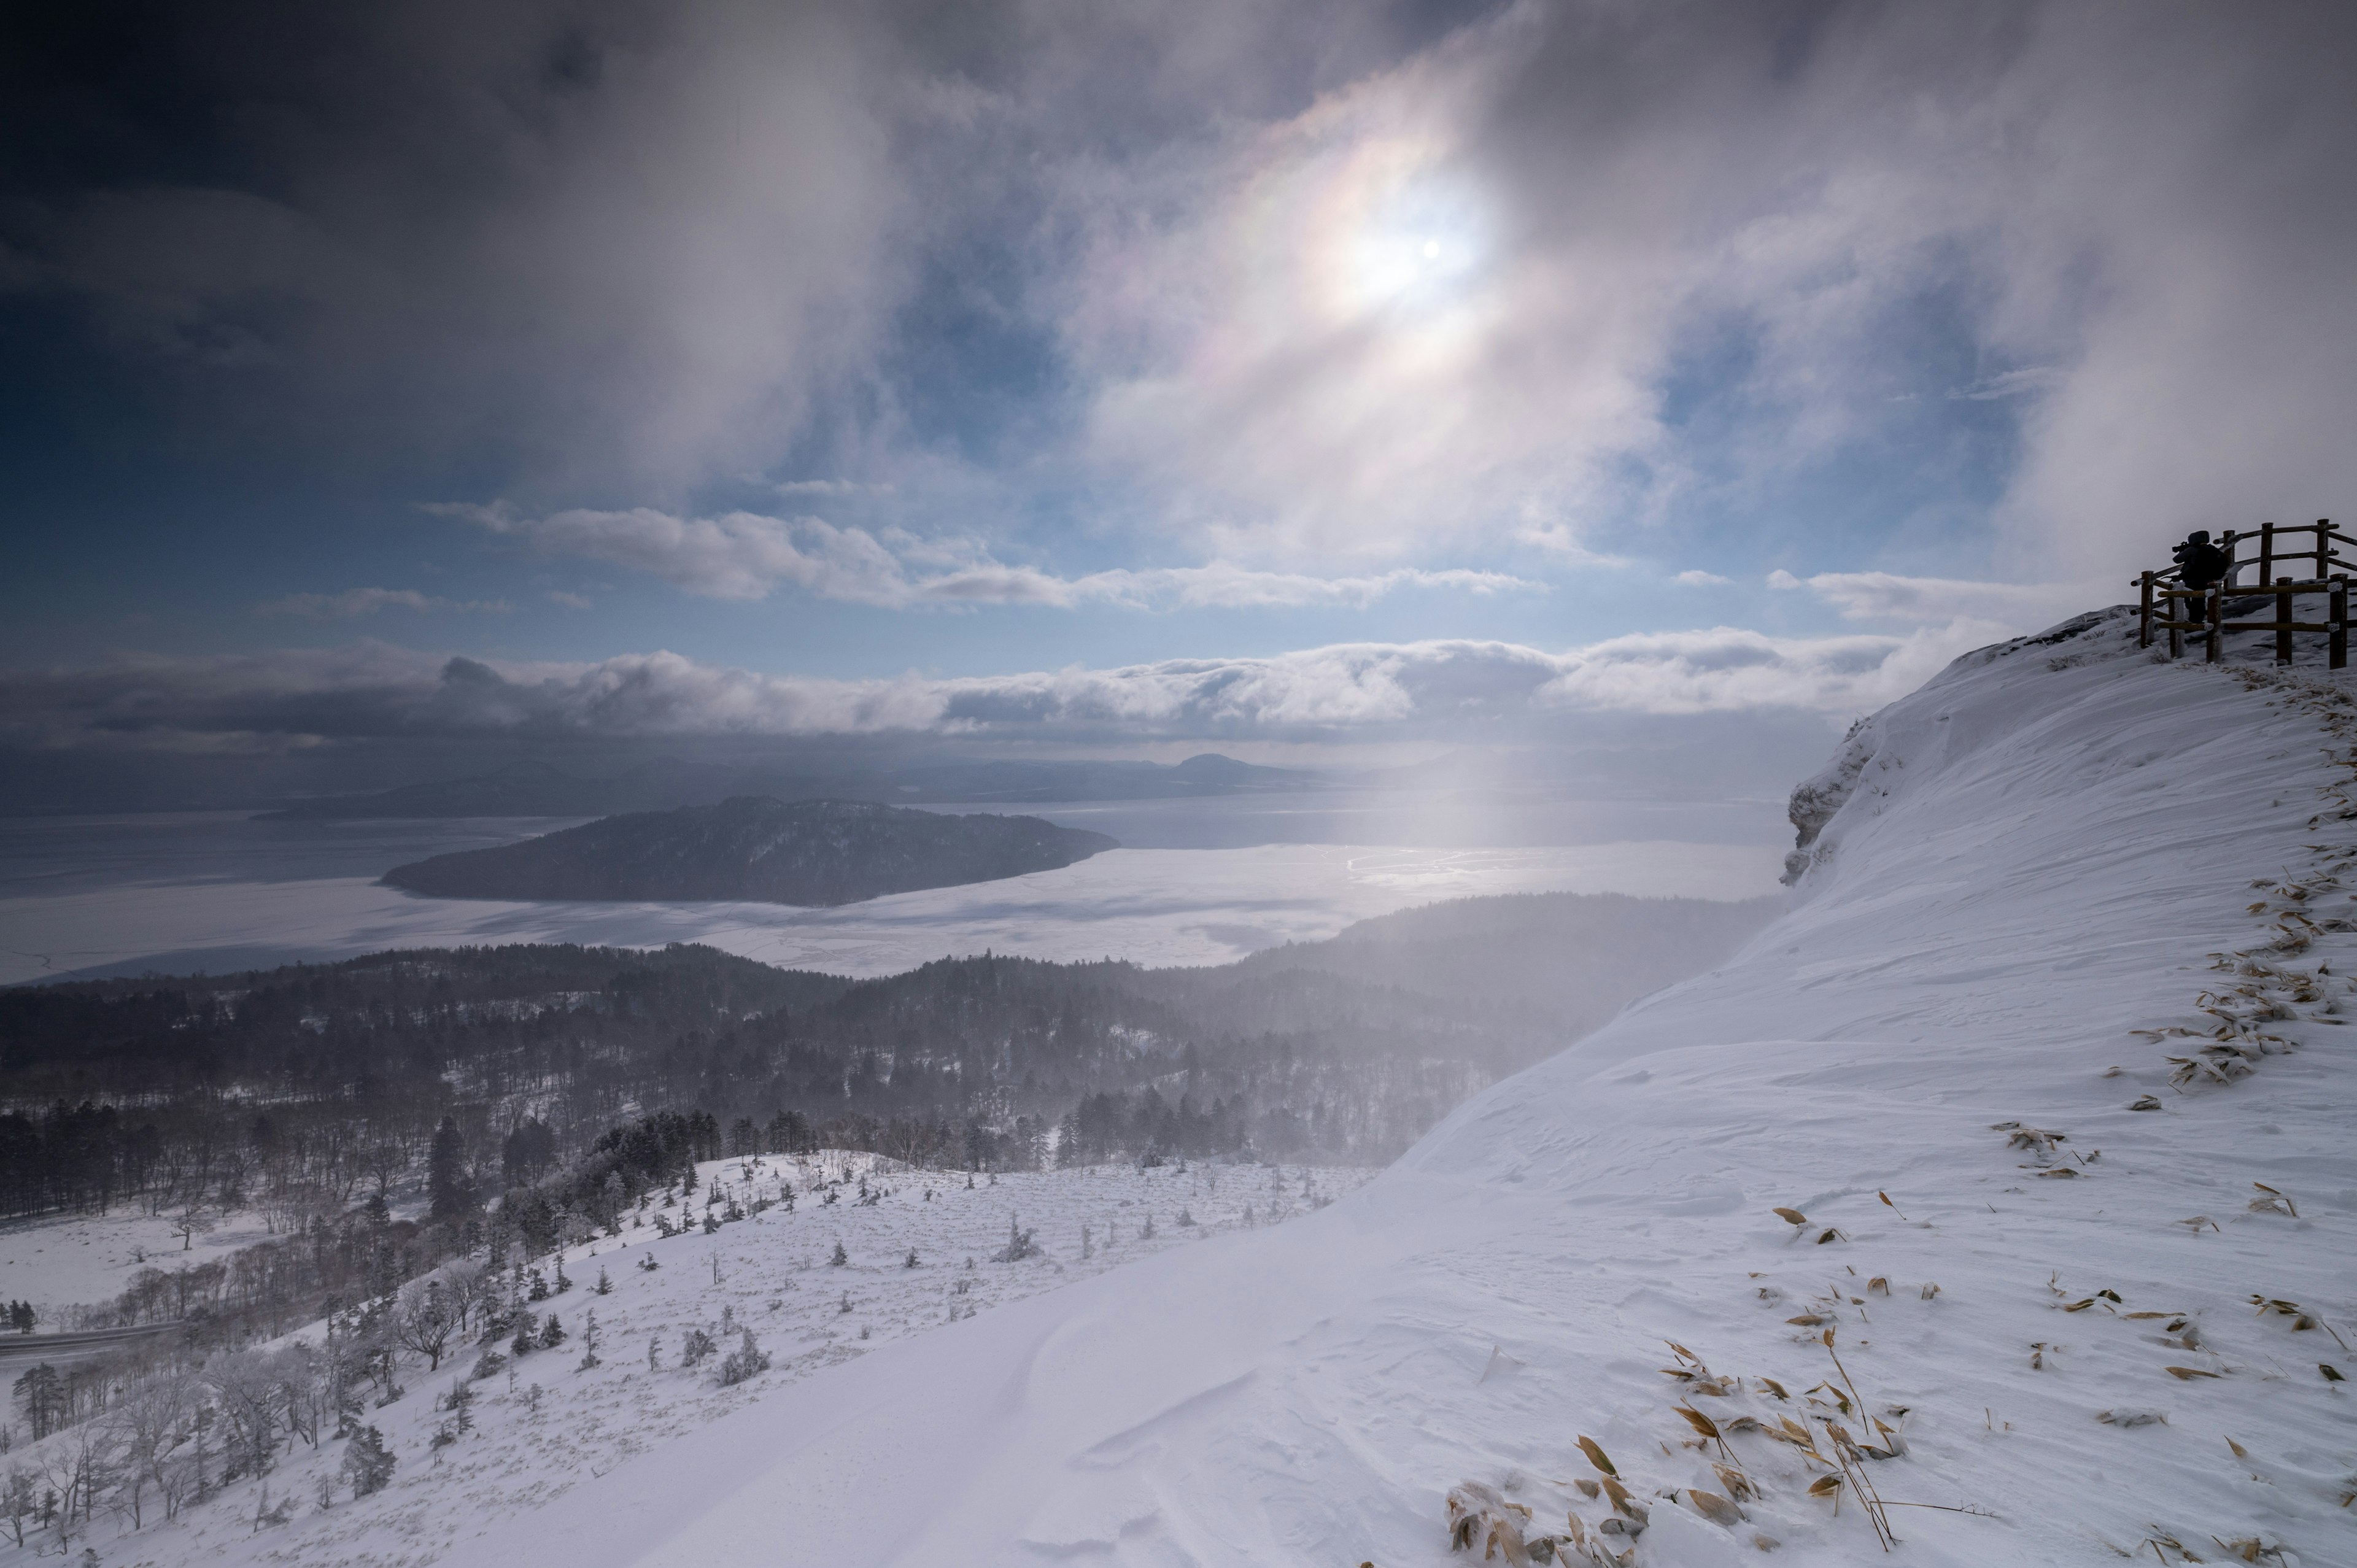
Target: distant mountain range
[(538, 790), (758, 850)]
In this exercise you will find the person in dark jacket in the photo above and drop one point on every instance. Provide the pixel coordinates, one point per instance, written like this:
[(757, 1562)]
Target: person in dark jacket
[(2200, 563)]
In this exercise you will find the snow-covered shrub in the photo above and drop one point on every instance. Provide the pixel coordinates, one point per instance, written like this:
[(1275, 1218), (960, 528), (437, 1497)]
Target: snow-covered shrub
[(745, 1361), (1019, 1247)]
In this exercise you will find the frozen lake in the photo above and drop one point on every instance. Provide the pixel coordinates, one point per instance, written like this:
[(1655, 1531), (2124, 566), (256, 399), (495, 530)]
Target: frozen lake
[(217, 891)]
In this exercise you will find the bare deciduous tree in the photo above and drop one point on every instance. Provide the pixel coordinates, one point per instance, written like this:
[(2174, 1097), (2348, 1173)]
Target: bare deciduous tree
[(423, 1320)]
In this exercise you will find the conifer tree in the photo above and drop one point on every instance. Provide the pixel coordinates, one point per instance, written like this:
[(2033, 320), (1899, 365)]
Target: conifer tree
[(449, 1194), (368, 1466)]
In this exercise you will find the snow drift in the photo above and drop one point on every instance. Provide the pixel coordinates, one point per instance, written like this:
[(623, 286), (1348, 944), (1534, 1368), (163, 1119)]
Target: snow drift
[(2060, 883)]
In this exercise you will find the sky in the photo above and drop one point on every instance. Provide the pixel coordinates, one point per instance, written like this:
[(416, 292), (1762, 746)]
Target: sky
[(1325, 381)]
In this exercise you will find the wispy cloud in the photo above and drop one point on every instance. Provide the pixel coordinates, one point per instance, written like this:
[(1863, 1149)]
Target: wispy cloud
[(746, 555), (1700, 579), (1885, 596), (356, 602), (2012, 383)]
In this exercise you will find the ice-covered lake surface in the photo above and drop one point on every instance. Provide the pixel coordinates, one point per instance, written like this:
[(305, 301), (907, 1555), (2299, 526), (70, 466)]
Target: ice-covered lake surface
[(1200, 881)]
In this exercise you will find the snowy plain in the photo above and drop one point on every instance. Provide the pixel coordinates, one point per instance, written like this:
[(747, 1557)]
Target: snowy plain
[(2055, 869), (56, 1263)]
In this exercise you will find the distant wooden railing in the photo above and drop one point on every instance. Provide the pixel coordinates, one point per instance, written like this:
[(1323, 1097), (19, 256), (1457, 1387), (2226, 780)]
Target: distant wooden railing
[(2204, 609)]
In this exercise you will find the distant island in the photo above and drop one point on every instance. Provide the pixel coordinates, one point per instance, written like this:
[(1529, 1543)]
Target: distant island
[(758, 849), (537, 790)]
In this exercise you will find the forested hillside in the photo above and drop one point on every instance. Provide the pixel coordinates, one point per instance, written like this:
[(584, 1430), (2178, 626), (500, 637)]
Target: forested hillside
[(387, 1115), (299, 1087)]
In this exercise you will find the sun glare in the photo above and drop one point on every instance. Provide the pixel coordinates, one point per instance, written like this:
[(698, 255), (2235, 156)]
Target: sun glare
[(1413, 249)]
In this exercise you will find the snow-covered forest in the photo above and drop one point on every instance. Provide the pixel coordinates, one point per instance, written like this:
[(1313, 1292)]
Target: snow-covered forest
[(390, 1429), (273, 1202), (429, 1083)]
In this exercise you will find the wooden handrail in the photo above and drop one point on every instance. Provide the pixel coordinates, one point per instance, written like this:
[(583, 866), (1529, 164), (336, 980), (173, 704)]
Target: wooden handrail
[(2164, 590), (2253, 590), (2252, 625)]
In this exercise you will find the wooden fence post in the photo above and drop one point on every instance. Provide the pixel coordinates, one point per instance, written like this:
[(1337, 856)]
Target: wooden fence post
[(2144, 632), (2323, 538), (2335, 656), (2217, 607), (2267, 553), (2283, 621)]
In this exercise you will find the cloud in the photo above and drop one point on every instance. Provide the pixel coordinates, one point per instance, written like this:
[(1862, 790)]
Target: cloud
[(1224, 584), (739, 556), (1439, 688), (1324, 288), (745, 555), (2012, 383), (600, 247), (1494, 281), (828, 488), (355, 602), (1699, 579), (1885, 595), (570, 601)]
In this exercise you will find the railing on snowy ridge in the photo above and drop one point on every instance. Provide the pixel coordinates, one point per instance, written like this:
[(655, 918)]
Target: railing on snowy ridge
[(2165, 593)]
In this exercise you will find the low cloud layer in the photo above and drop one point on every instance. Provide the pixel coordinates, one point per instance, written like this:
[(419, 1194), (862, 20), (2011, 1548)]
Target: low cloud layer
[(1439, 690)]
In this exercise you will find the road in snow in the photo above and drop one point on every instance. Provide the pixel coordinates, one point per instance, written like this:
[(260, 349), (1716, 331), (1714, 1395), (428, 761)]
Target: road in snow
[(2012, 921)]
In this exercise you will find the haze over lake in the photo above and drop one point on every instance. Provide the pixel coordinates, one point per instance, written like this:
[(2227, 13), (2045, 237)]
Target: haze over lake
[(1197, 882)]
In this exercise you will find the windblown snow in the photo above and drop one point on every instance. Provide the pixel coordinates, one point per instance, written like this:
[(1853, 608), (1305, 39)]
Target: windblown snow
[(1995, 1205)]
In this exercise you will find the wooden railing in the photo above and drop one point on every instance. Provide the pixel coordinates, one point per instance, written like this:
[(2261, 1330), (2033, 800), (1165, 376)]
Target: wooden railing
[(2170, 607)]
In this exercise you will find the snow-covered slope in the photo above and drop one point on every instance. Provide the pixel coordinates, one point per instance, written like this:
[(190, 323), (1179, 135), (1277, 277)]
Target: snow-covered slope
[(2005, 930), (872, 1252)]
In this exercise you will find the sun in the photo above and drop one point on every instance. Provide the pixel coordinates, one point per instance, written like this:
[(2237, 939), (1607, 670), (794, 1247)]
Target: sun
[(1410, 242)]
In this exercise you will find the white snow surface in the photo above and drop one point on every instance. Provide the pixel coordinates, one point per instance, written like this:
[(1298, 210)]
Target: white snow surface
[(547, 1424), (2042, 852), (57, 1262)]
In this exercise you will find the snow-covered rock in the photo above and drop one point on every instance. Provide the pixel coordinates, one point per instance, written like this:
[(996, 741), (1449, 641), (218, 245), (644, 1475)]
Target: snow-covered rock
[(1940, 1059)]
